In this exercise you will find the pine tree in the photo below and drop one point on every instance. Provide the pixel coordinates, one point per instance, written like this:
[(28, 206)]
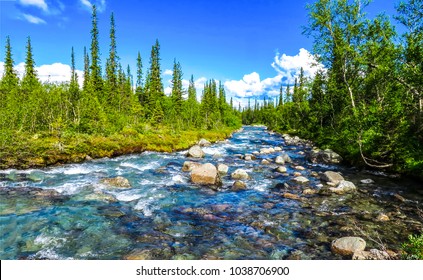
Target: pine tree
[(222, 101), (74, 93), (139, 84), (86, 82), (111, 64), (96, 79), (30, 80), (177, 90), (10, 78), (154, 86), (280, 96)]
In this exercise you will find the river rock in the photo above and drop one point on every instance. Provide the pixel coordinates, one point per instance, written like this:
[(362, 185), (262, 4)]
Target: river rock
[(265, 162), (347, 246), (138, 254), (372, 254), (382, 217), (279, 160), (190, 165), (217, 155), (399, 197), (286, 158), (301, 168), (278, 149), (309, 191), (291, 196), (271, 150), (220, 207), (327, 156), (264, 151), (117, 182), (222, 168), (301, 180), (281, 169), (248, 158), (256, 153), (203, 143), (333, 177), (205, 174), (344, 187), (239, 186), (367, 181), (240, 174), (195, 152)]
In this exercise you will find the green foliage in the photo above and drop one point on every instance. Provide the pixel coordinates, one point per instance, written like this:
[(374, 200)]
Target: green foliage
[(413, 249)]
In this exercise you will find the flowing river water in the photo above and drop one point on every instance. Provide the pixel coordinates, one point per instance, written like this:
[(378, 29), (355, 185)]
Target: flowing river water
[(66, 212)]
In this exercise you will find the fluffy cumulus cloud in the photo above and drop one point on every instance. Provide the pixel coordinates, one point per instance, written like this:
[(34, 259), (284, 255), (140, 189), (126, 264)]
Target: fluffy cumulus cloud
[(287, 69), (33, 19), (100, 4), (36, 3), (56, 72)]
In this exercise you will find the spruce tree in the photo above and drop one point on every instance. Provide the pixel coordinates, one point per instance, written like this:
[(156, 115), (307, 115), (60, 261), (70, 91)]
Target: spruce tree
[(10, 78), (154, 85), (280, 96), (30, 80), (177, 90), (96, 79), (74, 93), (86, 82), (139, 83), (111, 64)]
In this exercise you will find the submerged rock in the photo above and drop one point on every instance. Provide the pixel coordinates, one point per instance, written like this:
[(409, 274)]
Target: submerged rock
[(344, 187), (309, 191), (190, 165), (367, 181), (347, 246), (195, 152), (330, 176), (205, 174), (291, 196), (204, 143), (301, 180), (240, 174), (239, 186), (279, 160), (281, 169), (222, 168), (117, 182)]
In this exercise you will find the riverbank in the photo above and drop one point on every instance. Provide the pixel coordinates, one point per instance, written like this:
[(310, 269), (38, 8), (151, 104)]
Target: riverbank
[(37, 151)]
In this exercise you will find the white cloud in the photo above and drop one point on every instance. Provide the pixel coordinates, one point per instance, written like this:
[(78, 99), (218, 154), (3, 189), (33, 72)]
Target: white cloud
[(100, 4), (287, 68), (168, 72), (34, 19), (56, 72), (37, 3)]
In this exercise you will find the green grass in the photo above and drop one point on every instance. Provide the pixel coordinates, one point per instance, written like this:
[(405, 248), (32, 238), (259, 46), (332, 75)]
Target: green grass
[(42, 149)]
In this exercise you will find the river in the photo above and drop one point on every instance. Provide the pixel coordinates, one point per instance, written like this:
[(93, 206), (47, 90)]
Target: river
[(66, 212)]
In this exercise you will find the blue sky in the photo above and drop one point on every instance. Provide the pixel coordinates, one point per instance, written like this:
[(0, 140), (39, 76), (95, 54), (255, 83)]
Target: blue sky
[(235, 41)]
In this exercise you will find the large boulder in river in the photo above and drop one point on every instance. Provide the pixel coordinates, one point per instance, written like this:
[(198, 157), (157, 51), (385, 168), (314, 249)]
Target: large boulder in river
[(195, 152), (333, 177), (204, 143), (344, 187), (206, 174), (117, 182), (190, 165), (240, 174), (327, 156), (347, 246), (279, 160)]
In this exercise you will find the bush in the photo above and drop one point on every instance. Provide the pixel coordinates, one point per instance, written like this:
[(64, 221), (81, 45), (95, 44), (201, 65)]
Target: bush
[(413, 249)]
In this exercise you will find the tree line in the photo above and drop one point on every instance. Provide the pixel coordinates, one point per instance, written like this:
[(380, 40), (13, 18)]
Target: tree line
[(109, 101), (367, 102)]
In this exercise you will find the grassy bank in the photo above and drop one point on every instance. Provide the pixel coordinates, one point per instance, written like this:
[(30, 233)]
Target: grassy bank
[(41, 150)]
